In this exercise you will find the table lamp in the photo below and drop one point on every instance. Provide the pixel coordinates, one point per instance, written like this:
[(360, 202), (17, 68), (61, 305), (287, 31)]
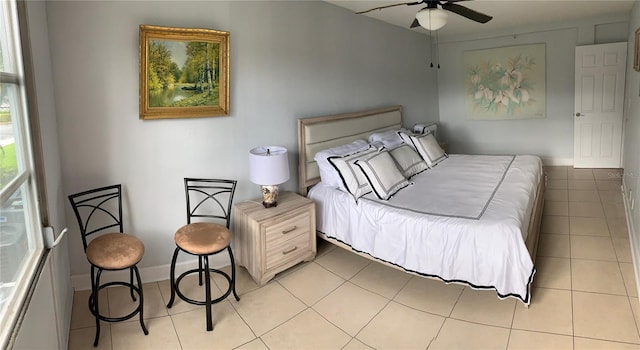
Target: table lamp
[(269, 167)]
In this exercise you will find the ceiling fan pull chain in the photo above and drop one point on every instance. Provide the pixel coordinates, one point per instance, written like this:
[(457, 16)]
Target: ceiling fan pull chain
[(430, 42), (431, 49), (437, 49)]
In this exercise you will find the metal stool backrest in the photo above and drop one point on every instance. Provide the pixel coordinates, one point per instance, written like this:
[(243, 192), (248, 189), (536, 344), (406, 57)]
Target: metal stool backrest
[(209, 198), (98, 210)]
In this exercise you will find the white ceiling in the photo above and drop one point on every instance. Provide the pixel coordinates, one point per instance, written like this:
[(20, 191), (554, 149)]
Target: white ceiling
[(506, 13)]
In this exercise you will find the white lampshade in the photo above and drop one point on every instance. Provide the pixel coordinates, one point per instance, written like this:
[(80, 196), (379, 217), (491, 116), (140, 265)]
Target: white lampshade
[(268, 165), (432, 18)]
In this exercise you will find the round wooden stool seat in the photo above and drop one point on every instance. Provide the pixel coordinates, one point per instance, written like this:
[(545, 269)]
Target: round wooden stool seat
[(202, 238), (115, 251)]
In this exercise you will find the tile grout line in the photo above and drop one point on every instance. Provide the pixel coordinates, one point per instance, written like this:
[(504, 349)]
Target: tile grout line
[(615, 252), (621, 273), (513, 316), (175, 330), (634, 316), (344, 281), (382, 308), (369, 322), (573, 326), (447, 317)]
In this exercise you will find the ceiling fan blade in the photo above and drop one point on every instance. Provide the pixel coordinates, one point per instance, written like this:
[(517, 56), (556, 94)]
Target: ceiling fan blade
[(415, 23), (466, 12), (392, 5)]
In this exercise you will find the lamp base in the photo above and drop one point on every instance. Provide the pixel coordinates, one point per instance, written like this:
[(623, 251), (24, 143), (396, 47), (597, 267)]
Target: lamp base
[(270, 196)]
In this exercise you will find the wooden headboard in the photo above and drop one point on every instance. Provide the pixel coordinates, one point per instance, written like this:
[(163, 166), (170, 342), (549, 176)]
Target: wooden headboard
[(319, 133)]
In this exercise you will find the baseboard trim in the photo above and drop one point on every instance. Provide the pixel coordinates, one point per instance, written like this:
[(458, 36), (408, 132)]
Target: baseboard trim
[(147, 274), (635, 252), (557, 161)]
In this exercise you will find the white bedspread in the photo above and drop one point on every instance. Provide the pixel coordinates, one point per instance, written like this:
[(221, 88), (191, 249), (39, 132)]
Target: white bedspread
[(463, 221)]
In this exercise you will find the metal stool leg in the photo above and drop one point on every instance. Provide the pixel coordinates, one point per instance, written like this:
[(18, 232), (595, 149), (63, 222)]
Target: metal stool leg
[(233, 274), (141, 306), (131, 287), (172, 278), (199, 270), (207, 283), (93, 284), (96, 290)]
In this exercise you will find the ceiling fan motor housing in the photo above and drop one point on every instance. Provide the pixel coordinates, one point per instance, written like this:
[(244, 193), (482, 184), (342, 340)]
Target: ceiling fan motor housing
[(432, 18)]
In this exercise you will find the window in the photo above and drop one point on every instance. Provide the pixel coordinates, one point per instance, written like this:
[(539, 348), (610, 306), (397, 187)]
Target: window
[(21, 244)]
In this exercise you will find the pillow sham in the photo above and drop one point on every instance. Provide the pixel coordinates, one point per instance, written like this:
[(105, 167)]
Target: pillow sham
[(408, 160), (389, 139), (382, 174), (328, 174), (352, 178), (406, 137), (429, 149)]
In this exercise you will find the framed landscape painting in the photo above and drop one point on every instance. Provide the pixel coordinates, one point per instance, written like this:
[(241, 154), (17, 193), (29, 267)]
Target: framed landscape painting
[(184, 72)]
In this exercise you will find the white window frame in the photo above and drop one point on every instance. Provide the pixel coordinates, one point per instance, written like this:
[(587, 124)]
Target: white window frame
[(26, 180)]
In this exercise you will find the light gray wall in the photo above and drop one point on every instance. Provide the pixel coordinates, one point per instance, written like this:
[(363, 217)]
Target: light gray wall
[(550, 138), (631, 161), (288, 60), (631, 146)]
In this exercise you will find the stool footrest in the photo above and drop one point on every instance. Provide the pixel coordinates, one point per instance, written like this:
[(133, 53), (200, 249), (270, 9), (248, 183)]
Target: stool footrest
[(115, 319), (199, 302)]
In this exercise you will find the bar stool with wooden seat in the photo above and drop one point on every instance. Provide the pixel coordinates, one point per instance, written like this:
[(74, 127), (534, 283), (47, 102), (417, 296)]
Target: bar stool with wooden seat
[(100, 210), (210, 199)]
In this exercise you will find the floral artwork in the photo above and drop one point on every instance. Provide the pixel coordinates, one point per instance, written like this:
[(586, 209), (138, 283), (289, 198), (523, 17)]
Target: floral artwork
[(505, 83)]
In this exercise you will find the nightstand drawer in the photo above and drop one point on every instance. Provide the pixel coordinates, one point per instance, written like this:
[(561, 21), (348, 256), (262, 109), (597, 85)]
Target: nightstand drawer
[(291, 250), (291, 226)]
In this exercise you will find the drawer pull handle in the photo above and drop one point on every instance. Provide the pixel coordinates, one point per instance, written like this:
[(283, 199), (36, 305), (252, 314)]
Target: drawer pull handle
[(291, 229), (290, 250)]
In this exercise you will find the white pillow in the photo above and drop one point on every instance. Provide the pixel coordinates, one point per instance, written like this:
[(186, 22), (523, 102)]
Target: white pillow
[(429, 149), (328, 174), (406, 137), (408, 160), (389, 139), (352, 178), (383, 175)]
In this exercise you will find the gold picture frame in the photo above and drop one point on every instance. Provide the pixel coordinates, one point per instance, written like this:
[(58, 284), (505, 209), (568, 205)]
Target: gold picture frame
[(636, 48), (184, 72)]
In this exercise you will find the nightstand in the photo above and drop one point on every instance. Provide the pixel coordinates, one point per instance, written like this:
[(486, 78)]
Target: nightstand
[(270, 240)]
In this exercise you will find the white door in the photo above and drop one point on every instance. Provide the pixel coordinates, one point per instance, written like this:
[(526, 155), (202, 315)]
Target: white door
[(599, 100)]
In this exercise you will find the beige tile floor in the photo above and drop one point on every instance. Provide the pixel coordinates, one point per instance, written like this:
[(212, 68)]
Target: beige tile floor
[(584, 296)]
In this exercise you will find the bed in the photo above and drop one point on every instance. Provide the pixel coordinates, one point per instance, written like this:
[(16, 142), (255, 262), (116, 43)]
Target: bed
[(479, 228)]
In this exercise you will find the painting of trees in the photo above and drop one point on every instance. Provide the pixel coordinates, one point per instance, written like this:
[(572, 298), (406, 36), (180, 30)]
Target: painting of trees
[(193, 84), (184, 70), (160, 64), (200, 67)]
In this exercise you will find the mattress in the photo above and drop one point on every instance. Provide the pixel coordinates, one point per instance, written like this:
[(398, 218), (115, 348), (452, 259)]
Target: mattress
[(464, 221)]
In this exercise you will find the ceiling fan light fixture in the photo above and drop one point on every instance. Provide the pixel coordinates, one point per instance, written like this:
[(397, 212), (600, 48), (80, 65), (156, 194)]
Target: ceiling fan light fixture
[(432, 18)]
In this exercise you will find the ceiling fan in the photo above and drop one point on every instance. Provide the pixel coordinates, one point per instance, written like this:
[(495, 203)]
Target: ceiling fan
[(432, 17)]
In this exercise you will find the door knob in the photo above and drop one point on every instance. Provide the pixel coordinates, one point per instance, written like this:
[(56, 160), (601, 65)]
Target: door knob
[(578, 114)]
